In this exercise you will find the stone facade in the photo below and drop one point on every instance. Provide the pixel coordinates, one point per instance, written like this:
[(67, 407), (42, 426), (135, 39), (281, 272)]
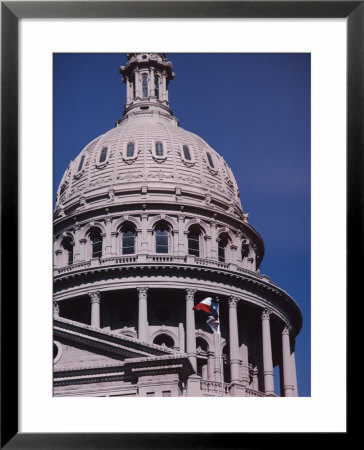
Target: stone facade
[(148, 221)]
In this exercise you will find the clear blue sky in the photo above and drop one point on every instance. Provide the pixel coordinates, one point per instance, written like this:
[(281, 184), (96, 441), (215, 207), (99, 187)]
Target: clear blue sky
[(254, 110)]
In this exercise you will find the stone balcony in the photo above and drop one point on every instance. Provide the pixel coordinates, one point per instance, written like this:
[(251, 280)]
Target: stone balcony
[(160, 260), (213, 388)]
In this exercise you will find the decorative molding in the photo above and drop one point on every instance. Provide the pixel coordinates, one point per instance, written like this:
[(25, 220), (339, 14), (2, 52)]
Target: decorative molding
[(94, 296), (142, 292), (287, 329), (190, 294), (233, 302), (266, 313)]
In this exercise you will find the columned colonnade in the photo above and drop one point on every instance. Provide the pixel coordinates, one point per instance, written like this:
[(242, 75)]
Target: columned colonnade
[(238, 354)]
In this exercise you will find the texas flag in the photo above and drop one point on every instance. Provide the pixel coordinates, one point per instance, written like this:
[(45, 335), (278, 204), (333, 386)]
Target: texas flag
[(209, 306)]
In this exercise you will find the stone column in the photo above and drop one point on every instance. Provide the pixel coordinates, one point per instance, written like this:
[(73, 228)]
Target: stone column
[(190, 327), (244, 354), (128, 93), (294, 374), (234, 340), (213, 240), (267, 353), (108, 243), (114, 249), (143, 328), (288, 387), (83, 252), (95, 308), (137, 84), (152, 92), (181, 244), (233, 252), (55, 310), (164, 87), (144, 234), (207, 253), (76, 248), (210, 365), (217, 368)]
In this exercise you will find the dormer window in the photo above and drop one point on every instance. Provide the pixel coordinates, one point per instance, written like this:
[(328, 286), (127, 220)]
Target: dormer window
[(145, 85), (103, 155), (156, 86), (80, 165), (209, 158), (159, 149), (130, 150), (186, 153)]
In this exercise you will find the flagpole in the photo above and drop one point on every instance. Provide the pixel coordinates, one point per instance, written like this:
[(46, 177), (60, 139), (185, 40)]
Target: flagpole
[(220, 353)]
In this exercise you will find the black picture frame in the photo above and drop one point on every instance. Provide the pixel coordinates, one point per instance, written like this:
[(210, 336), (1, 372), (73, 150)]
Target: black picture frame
[(11, 12)]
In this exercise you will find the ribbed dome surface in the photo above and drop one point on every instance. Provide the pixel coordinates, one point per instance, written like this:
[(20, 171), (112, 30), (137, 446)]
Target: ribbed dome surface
[(196, 170)]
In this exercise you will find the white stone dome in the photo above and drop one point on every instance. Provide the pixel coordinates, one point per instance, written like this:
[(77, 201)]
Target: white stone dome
[(204, 173)]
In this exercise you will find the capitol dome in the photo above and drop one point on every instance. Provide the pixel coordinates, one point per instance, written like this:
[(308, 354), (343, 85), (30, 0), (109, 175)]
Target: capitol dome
[(148, 221), (186, 165)]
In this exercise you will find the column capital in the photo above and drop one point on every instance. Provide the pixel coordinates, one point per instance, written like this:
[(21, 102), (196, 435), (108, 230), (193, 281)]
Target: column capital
[(142, 291), (190, 294), (233, 302), (266, 313), (287, 328), (94, 296)]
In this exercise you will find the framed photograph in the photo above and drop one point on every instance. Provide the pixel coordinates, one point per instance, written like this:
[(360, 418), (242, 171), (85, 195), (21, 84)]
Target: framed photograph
[(89, 234)]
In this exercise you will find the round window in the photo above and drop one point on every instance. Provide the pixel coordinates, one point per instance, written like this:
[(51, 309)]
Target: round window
[(163, 313)]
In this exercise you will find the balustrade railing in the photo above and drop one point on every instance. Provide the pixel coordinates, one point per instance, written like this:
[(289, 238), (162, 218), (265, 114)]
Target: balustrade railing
[(213, 387), (252, 393), (166, 259), (211, 262)]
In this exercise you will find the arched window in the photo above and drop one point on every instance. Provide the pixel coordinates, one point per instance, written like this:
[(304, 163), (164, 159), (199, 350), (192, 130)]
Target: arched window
[(103, 155), (159, 149), (128, 239), (222, 246), (130, 150), (186, 153), (80, 165), (164, 339), (210, 160), (161, 238), (96, 243), (145, 85), (156, 86), (67, 245), (194, 237)]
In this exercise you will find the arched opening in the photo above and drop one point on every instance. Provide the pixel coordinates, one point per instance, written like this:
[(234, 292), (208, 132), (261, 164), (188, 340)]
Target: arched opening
[(95, 238), (67, 245), (161, 232), (128, 239), (164, 339), (194, 240), (223, 243)]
